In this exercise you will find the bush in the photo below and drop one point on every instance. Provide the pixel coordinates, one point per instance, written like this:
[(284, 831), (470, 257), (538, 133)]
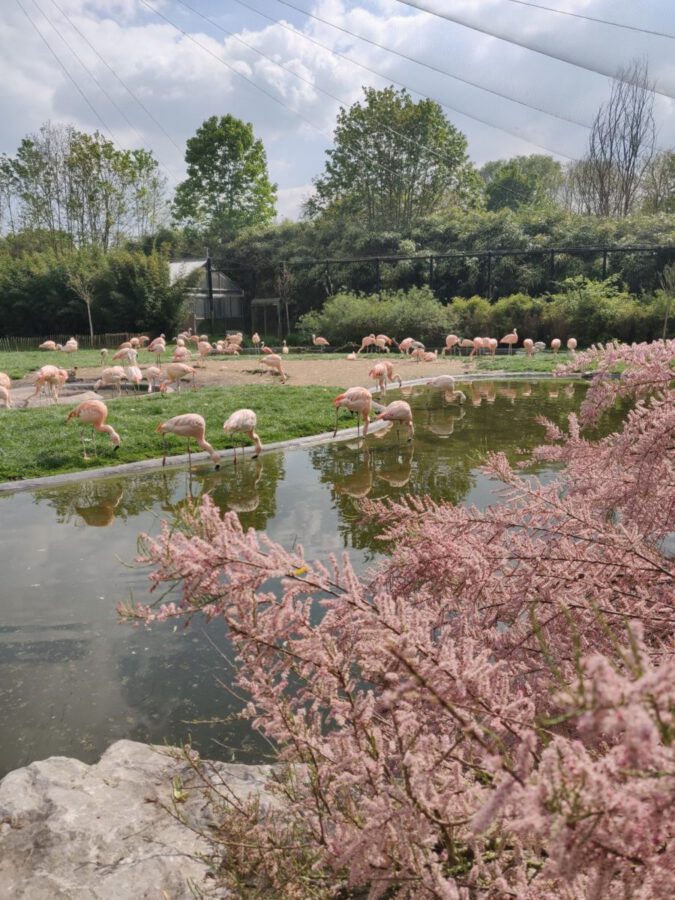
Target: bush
[(488, 714), (349, 317)]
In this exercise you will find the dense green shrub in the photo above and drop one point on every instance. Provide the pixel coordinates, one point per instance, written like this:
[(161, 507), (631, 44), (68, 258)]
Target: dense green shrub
[(348, 317)]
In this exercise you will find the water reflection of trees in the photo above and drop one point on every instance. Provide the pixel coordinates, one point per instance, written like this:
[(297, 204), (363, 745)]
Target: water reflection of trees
[(249, 488), (451, 442)]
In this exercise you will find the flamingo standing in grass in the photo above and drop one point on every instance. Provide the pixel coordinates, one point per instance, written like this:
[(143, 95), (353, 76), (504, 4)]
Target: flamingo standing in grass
[(49, 345), (243, 421), (189, 425), (320, 341), (111, 375), (5, 389), (572, 344), (255, 340), (358, 400), (511, 339), (398, 411), (555, 345), (94, 413), (528, 345)]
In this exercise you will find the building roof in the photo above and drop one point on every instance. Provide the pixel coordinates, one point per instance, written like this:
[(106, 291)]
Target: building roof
[(181, 268)]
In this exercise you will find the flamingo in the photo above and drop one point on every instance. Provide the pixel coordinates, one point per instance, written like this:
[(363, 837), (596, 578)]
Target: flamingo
[(153, 375), (94, 413), (243, 421), (511, 339), (204, 348), (49, 345), (265, 350), (104, 356), (255, 340), (274, 362), (368, 341), (157, 346), (70, 346), (127, 353), (451, 342), (572, 344), (111, 375), (189, 425), (51, 377), (181, 354), (528, 344), (398, 411), (284, 347), (465, 344), (5, 389), (175, 373), (320, 341), (382, 372), (358, 400), (555, 345), (406, 344), (492, 344)]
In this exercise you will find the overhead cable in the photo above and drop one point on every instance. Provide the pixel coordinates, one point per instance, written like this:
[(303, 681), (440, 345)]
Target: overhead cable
[(564, 12), (522, 42), (429, 66)]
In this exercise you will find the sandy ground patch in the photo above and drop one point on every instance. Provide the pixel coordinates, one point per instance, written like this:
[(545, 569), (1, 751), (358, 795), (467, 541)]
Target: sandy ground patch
[(242, 370)]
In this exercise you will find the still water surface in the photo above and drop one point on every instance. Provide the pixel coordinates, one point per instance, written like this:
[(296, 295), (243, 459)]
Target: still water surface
[(73, 680)]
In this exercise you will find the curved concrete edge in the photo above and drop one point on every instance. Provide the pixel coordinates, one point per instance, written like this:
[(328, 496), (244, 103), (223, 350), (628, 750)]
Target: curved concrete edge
[(148, 465)]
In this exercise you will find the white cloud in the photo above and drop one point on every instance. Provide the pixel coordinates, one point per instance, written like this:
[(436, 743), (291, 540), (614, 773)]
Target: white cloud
[(298, 87)]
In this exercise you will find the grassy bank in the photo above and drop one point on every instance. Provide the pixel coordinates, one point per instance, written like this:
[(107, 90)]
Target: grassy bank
[(519, 362), (37, 441)]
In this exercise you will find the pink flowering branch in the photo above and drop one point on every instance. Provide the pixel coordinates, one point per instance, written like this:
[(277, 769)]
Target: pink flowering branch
[(491, 712)]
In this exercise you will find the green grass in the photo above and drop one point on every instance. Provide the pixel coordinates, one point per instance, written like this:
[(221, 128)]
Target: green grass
[(37, 441), (519, 362), (19, 363)]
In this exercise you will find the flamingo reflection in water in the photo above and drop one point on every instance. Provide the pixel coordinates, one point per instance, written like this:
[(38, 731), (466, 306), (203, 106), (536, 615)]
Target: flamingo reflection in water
[(397, 474), (101, 514)]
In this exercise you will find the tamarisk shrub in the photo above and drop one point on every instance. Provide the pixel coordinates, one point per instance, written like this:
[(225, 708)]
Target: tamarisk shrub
[(490, 713)]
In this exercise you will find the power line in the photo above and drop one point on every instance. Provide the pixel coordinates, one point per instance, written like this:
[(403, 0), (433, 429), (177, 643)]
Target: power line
[(567, 58), (67, 73), (253, 84), (311, 83), (426, 65), (564, 12), (115, 75)]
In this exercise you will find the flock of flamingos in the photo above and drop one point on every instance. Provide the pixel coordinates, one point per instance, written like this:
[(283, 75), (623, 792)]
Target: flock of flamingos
[(357, 400)]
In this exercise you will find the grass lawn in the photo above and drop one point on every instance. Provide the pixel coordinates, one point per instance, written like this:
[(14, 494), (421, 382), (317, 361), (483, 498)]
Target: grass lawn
[(37, 441), (519, 362)]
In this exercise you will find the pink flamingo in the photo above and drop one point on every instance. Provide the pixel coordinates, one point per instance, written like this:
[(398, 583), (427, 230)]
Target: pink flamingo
[(243, 421), (555, 345), (572, 344), (405, 344), (175, 373), (358, 400), (111, 375), (451, 342), (153, 375), (274, 362), (528, 345), (49, 345), (492, 344), (368, 341), (320, 341), (382, 372), (255, 340), (511, 339), (94, 413), (398, 411), (5, 389), (51, 377), (189, 425)]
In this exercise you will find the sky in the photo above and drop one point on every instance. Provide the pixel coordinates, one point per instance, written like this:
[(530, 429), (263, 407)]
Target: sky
[(514, 78)]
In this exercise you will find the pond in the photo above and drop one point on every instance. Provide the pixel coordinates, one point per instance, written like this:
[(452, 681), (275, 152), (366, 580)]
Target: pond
[(74, 680)]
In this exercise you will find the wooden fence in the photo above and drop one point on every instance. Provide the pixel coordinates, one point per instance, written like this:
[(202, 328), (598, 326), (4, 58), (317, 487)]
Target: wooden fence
[(84, 340)]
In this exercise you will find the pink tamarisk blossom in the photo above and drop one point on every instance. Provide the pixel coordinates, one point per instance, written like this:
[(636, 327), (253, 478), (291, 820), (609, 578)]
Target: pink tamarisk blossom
[(491, 711)]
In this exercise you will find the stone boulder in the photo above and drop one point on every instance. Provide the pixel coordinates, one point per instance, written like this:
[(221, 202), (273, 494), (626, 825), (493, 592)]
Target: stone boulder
[(71, 831)]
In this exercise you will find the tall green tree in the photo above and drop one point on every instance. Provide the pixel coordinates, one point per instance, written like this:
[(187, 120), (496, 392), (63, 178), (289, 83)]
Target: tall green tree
[(533, 180), (393, 162), (227, 187)]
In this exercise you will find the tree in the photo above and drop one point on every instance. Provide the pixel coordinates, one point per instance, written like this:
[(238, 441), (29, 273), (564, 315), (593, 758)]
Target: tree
[(621, 144), (394, 161), (227, 187), (658, 185), (80, 189), (522, 181), (490, 712)]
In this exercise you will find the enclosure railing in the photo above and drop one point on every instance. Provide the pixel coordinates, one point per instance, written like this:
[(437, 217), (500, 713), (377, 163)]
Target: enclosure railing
[(84, 340)]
